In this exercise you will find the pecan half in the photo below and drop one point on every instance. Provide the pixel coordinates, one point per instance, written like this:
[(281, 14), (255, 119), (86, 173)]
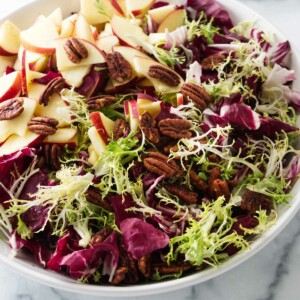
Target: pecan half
[(147, 124), (120, 129), (118, 67), (183, 193), (197, 94), (144, 265), (52, 155), (54, 86), (75, 50), (175, 128), (94, 196), (119, 275), (197, 182), (253, 201), (100, 236), (101, 101), (214, 175), (212, 61), (160, 164), (164, 75), (10, 109), (220, 188), (165, 269), (43, 125)]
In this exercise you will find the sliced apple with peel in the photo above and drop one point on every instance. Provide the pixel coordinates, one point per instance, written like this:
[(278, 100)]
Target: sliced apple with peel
[(68, 26), (93, 156), (63, 136), (15, 142), (8, 61), (83, 29), (157, 38), (56, 18), (10, 85), (9, 39), (103, 124), (142, 66), (18, 125), (107, 43), (148, 105), (75, 76), (40, 36), (133, 112), (113, 87), (138, 8), (99, 146), (172, 21), (128, 32), (160, 13), (95, 55)]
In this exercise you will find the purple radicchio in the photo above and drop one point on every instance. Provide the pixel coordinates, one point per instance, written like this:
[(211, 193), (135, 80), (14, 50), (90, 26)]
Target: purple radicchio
[(293, 169), (278, 53)]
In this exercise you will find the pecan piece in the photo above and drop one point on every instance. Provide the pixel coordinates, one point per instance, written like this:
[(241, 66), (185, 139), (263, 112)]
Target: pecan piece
[(171, 147), (118, 67), (214, 175), (94, 196), (197, 94), (147, 124), (165, 269), (253, 201), (100, 236), (160, 164), (75, 50), (175, 128), (120, 129), (99, 102), (183, 193), (220, 188), (197, 182), (52, 155), (10, 109), (164, 75), (43, 125), (212, 61), (54, 86), (144, 265), (119, 275)]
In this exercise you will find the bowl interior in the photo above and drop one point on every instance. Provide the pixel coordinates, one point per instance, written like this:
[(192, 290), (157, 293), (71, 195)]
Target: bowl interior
[(24, 264)]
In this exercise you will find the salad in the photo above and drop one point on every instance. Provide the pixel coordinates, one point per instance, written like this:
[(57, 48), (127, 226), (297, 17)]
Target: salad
[(143, 140)]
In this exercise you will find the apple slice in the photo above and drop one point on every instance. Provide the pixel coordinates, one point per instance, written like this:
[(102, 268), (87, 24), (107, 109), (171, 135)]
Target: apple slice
[(15, 142), (40, 36), (160, 13), (63, 63), (113, 87), (10, 85), (126, 110), (93, 156), (97, 142), (63, 136), (83, 29), (180, 99), (172, 21), (142, 66), (56, 18), (103, 124), (7, 61), (133, 115), (148, 105), (9, 39), (138, 8), (125, 30), (19, 124), (74, 76), (92, 14), (68, 26), (107, 43), (157, 38)]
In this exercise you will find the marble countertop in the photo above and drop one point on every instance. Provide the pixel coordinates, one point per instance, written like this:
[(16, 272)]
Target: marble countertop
[(272, 274)]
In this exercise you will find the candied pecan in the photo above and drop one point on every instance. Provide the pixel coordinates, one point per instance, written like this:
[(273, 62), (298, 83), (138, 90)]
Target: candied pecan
[(75, 50), (213, 157), (175, 128), (43, 125), (147, 124), (93, 195), (214, 174), (212, 61), (220, 188), (165, 269), (119, 275), (100, 236), (197, 94), (54, 86), (120, 129), (171, 147), (164, 75), (197, 182), (10, 109), (101, 101), (52, 155), (144, 265), (119, 68), (253, 201), (160, 164), (183, 193)]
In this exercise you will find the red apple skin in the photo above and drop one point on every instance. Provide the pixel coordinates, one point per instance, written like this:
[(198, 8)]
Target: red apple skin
[(134, 109), (23, 73), (146, 97), (97, 121), (14, 91), (117, 7), (3, 52), (180, 99), (36, 49), (126, 107)]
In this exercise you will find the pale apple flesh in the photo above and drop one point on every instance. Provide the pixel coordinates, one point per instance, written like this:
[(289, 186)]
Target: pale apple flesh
[(160, 13), (172, 21), (103, 125), (10, 85), (9, 39)]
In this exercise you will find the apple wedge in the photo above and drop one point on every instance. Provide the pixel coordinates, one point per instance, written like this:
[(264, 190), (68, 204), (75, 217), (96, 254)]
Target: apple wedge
[(160, 13), (9, 39), (68, 26), (7, 61), (142, 66), (107, 43), (74, 76), (145, 103), (56, 18), (157, 38), (93, 156), (83, 29), (103, 125), (99, 146), (63, 62), (127, 32), (18, 125), (180, 99), (113, 87), (172, 21), (138, 8), (63, 136), (40, 36), (133, 112), (10, 85)]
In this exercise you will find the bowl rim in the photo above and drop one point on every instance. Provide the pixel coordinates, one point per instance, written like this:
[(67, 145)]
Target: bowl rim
[(170, 285)]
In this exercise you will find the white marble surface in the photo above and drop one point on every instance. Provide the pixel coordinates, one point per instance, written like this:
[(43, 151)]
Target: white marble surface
[(272, 274)]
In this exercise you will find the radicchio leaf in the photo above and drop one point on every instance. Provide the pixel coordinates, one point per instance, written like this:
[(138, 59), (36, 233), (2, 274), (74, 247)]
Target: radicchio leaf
[(176, 38), (293, 169), (278, 53), (47, 78)]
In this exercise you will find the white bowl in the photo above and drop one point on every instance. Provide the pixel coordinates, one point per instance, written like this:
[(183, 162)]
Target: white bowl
[(24, 264)]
